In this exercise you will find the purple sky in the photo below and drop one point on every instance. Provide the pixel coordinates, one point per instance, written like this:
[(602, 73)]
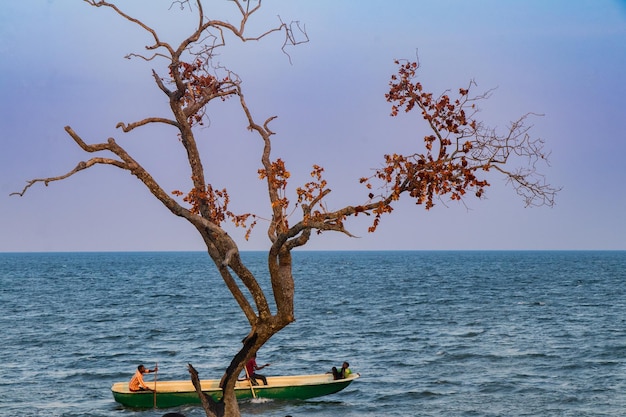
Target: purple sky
[(62, 64)]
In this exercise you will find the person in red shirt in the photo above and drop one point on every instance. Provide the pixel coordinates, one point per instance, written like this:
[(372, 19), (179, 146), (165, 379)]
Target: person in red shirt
[(251, 368), (136, 383)]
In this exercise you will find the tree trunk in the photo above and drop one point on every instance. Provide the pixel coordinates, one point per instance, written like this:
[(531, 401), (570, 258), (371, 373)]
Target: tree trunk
[(211, 407)]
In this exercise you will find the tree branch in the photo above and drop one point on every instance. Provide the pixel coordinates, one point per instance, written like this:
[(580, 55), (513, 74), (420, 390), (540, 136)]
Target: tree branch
[(81, 166), (128, 127)]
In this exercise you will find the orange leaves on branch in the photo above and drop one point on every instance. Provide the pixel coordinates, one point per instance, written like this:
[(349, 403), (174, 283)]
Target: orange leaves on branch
[(425, 178), (442, 169), (382, 208), (213, 205), (277, 178), (200, 86), (277, 175), (443, 113), (313, 190), (308, 195)]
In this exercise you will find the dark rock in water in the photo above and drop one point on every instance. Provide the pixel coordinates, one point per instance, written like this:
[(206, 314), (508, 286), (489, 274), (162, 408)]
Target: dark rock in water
[(173, 415)]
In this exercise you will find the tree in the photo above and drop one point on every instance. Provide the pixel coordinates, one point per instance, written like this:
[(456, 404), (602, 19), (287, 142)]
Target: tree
[(458, 155)]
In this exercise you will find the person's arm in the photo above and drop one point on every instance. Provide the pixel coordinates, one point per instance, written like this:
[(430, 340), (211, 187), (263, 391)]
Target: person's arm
[(142, 383), (148, 371), (140, 380)]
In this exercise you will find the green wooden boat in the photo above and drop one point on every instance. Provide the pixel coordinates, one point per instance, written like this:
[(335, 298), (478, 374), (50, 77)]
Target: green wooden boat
[(177, 393)]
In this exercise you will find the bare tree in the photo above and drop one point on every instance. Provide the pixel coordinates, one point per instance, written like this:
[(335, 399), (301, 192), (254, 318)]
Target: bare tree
[(457, 149)]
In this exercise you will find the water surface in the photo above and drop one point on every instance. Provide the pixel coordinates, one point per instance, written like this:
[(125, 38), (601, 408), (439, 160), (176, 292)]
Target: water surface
[(432, 333)]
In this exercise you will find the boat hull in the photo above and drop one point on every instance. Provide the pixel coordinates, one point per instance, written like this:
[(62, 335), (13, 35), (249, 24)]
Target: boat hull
[(177, 393)]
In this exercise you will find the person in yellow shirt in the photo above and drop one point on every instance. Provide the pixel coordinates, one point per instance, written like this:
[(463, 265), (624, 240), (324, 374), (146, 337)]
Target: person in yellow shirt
[(344, 372), (136, 383)]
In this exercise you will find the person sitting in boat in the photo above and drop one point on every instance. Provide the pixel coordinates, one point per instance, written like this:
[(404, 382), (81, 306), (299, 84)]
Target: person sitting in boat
[(136, 383), (344, 372), (251, 368)]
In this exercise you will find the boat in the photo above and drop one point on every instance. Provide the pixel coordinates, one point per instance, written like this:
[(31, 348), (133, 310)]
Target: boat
[(177, 393)]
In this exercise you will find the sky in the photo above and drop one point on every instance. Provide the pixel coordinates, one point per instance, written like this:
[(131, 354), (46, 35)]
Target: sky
[(63, 64)]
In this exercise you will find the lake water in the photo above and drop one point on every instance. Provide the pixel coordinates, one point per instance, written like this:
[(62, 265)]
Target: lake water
[(431, 333)]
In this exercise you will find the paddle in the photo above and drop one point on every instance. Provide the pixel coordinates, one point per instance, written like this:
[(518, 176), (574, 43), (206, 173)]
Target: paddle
[(156, 371), (250, 380)]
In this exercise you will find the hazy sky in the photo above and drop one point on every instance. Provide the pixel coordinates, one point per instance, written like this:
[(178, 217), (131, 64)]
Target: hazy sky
[(62, 64)]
